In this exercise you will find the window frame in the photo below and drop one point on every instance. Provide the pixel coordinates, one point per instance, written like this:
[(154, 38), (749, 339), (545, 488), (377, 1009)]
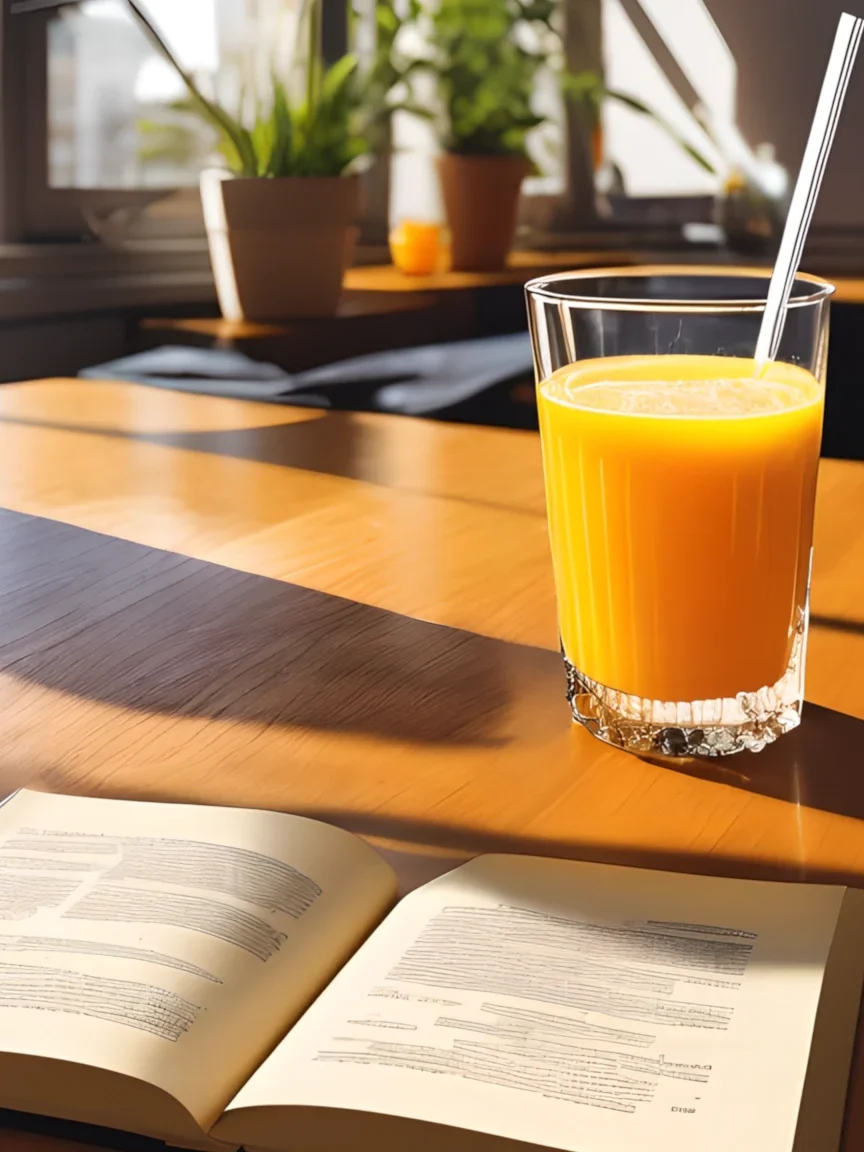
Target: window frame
[(580, 212), (583, 50), (33, 211)]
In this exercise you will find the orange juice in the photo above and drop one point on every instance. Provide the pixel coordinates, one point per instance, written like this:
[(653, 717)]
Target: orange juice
[(680, 492), (414, 247)]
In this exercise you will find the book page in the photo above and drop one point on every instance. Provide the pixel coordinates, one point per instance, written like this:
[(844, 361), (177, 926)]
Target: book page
[(171, 943), (577, 1006)]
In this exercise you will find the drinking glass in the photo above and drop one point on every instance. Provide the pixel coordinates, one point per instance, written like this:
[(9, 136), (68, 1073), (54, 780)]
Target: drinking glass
[(680, 490)]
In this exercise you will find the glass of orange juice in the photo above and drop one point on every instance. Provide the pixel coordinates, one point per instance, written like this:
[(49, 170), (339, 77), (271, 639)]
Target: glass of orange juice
[(680, 489), (415, 247)]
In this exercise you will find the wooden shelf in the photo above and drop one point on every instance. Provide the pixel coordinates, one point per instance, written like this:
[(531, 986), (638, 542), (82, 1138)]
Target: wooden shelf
[(523, 266), (376, 293)]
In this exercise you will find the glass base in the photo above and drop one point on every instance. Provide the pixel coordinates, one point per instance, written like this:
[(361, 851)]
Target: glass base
[(745, 723)]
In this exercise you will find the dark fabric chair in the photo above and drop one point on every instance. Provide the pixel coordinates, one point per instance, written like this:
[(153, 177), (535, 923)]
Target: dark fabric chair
[(472, 380)]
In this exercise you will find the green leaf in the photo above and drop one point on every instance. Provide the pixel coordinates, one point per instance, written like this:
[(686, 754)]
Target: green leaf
[(486, 77), (386, 19), (338, 119), (226, 124), (283, 131), (637, 105), (414, 109), (337, 77)]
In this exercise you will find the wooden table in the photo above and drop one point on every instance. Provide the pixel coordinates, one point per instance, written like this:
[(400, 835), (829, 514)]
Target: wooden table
[(351, 617)]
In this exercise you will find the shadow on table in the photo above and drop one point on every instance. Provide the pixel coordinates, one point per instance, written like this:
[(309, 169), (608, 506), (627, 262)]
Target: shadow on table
[(838, 624), (420, 849), (819, 765), (135, 627), (24, 1132), (816, 766), (154, 632), (342, 445)]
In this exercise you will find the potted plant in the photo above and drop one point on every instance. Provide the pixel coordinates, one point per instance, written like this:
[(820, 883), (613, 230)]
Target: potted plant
[(281, 216), (485, 80), (486, 57)]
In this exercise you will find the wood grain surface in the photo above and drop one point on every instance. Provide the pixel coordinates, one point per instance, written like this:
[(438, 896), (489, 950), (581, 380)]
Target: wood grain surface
[(521, 266), (352, 617), (525, 265)]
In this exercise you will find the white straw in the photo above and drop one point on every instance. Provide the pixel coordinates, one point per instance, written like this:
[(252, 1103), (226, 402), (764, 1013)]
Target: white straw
[(809, 181)]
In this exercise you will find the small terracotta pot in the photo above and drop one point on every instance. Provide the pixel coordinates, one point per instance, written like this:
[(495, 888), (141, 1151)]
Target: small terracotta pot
[(481, 196), (279, 246)]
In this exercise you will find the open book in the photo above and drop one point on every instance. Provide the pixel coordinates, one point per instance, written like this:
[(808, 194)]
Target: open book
[(181, 973)]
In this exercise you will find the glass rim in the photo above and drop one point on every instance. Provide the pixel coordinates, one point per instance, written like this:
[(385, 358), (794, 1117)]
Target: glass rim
[(542, 287)]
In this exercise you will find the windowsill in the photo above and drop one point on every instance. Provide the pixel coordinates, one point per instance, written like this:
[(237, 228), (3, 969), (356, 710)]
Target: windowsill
[(63, 279), (23, 298), (53, 280)]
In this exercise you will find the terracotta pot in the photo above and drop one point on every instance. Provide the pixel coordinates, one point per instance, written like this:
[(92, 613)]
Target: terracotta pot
[(279, 247), (481, 196)]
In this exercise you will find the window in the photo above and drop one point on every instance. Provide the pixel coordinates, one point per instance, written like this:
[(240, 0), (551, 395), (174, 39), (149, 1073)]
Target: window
[(668, 56), (110, 116), (110, 140), (92, 87), (107, 142), (672, 57), (414, 191)]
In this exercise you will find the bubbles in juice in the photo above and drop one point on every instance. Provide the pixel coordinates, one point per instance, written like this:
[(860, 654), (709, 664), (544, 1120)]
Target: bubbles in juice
[(720, 397)]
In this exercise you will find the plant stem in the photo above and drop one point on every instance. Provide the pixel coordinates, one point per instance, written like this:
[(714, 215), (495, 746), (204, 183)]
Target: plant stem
[(210, 109), (314, 61)]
